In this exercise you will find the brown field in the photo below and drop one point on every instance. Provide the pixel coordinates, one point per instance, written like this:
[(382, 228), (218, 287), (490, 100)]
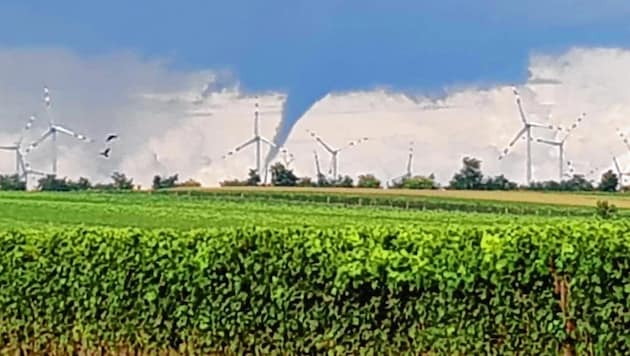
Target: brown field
[(555, 198)]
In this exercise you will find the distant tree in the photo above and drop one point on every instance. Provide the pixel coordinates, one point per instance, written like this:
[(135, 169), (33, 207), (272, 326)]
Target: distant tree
[(470, 176), (416, 182), (343, 182), (368, 181), (12, 182), (84, 184), (609, 182), (253, 178), (157, 182), (164, 183), (233, 183), (52, 183), (282, 177), (103, 186), (121, 182), (577, 183), (191, 183), (306, 182), (498, 183)]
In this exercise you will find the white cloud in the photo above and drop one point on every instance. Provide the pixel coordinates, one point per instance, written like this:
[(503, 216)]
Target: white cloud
[(478, 122), (190, 124), (188, 119)]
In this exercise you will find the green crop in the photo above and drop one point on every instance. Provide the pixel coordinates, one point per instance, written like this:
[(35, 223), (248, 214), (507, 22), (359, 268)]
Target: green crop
[(526, 289), (185, 212)]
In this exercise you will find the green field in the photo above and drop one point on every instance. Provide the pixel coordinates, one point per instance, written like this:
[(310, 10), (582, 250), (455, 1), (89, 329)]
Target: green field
[(270, 208), (294, 271), (574, 199)]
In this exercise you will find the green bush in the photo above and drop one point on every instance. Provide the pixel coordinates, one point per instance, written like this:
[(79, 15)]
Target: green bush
[(368, 181), (12, 182), (416, 182), (513, 289), (605, 210)]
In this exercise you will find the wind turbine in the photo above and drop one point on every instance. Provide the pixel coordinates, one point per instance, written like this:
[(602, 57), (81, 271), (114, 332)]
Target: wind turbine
[(258, 140), (560, 143), (334, 153), (53, 130), (17, 147), (527, 131)]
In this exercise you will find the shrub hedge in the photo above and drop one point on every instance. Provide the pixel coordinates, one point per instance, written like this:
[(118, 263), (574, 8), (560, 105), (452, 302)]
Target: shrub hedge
[(509, 289)]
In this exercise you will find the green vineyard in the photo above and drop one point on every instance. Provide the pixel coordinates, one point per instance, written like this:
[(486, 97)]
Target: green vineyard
[(457, 290), (163, 273)]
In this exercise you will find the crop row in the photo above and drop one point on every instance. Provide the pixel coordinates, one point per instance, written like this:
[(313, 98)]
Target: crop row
[(393, 201), (466, 290)]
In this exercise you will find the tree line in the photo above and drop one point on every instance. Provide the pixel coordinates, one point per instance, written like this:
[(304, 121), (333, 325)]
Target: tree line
[(469, 177)]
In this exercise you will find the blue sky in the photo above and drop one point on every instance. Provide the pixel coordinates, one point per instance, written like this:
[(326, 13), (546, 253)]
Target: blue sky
[(310, 48)]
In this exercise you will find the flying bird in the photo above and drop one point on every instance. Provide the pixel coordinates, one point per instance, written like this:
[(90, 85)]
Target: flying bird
[(111, 138), (106, 152)]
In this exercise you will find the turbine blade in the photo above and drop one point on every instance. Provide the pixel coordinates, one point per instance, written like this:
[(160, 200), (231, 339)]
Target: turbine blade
[(321, 142), (68, 132), (267, 141), (8, 148), (249, 142), (30, 171), (47, 99), (574, 125), (26, 128), (34, 145), (520, 105), (617, 165), (353, 143), (549, 142), (624, 138), (507, 149), (544, 126)]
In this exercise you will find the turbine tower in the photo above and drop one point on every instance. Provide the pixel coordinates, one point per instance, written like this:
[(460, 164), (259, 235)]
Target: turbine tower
[(620, 174), (52, 131), (527, 131), (334, 153), (258, 140), (409, 170), (17, 147), (560, 143), (409, 161), (317, 168)]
